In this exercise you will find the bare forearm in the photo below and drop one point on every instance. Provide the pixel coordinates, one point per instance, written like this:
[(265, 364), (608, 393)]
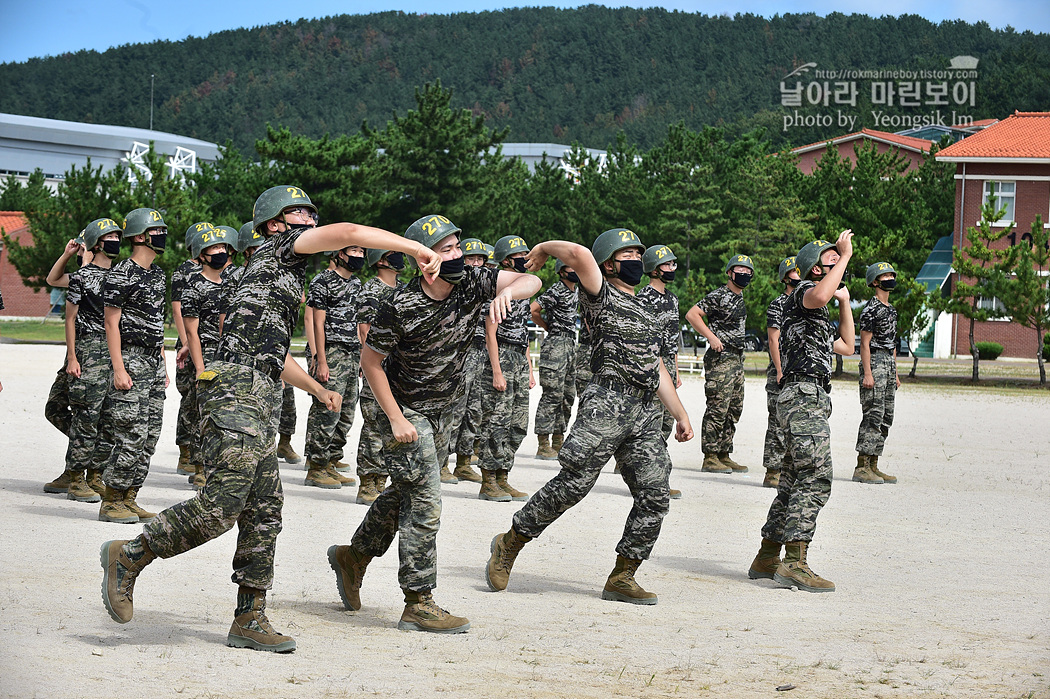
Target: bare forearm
[(180, 323), (371, 364), (296, 376), (71, 318)]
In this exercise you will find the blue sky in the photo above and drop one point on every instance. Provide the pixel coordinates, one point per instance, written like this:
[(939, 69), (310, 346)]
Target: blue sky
[(50, 27)]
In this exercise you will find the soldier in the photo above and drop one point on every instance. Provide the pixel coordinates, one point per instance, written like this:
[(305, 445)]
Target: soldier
[(413, 362), (807, 339), (725, 315), (370, 469), (238, 395), (773, 451), (506, 379), (333, 298), (186, 424), (878, 374), (617, 414), (557, 360)]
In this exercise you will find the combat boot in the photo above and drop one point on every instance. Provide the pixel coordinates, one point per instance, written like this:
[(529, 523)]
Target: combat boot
[(113, 508), (505, 549), (544, 450), (366, 492), (334, 474), (766, 562), (118, 578), (423, 614), (476, 452), (463, 470), (713, 465), (447, 477), (198, 479), (340, 465), (556, 441), (184, 466), (675, 494), (622, 587), (490, 489), (60, 484), (251, 628), (515, 494), (285, 451), (771, 479), (317, 476), (94, 481), (129, 502), (349, 565), (793, 571), (873, 462), (863, 472), (723, 456), (79, 489)]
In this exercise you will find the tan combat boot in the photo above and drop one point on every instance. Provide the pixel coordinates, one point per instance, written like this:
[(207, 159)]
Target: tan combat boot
[(334, 474), (771, 479), (94, 481), (60, 484), (490, 489), (873, 462), (675, 494), (340, 465), (285, 451), (349, 565), (317, 476), (863, 472), (622, 587), (477, 452), (366, 492), (505, 549), (447, 477), (129, 502), (198, 479), (713, 465), (423, 614), (724, 457), (766, 562), (184, 466), (118, 578), (463, 470), (793, 571), (251, 628), (514, 493), (544, 450), (113, 508), (556, 441), (79, 489)]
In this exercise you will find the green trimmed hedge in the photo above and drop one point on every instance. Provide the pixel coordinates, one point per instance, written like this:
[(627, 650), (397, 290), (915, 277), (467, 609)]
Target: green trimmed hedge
[(989, 350)]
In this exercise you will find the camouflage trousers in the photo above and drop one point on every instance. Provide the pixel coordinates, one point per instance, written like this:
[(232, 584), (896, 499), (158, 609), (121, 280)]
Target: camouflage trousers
[(667, 423), (558, 381), (724, 389), (56, 409), (187, 426), (506, 413), (609, 423), (287, 417), (326, 431), (877, 404), (243, 485), (803, 410), (773, 449), (582, 373), (132, 419), (466, 408), (411, 504), (87, 393), (370, 446)]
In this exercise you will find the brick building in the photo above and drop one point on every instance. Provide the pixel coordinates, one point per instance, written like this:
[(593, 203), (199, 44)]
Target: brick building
[(912, 149), (19, 299)]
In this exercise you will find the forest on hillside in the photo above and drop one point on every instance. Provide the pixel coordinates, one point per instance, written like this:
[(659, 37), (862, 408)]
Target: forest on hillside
[(548, 75)]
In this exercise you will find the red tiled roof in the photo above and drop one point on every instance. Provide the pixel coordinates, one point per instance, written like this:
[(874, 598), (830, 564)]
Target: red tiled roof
[(909, 142), (975, 124), (1020, 135), (11, 221)]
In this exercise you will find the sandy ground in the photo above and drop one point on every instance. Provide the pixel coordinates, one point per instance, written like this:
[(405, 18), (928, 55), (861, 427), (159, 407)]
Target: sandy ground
[(941, 579)]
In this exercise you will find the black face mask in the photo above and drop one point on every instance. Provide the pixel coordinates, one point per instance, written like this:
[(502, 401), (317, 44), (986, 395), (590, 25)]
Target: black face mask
[(354, 264), (80, 260), (888, 284), (217, 260), (572, 277), (452, 271), (790, 283), (396, 260), (630, 272), (111, 248), (666, 276), (742, 279), (157, 242), (519, 264)]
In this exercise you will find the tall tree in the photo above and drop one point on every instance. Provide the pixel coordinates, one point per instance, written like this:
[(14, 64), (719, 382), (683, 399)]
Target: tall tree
[(1024, 291)]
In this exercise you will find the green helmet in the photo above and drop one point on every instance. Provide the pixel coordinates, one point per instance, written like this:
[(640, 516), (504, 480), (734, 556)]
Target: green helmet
[(490, 253), (139, 221), (558, 265), (656, 256), (507, 246), (472, 246), (373, 256), (877, 270), (95, 230), (274, 200), (247, 237), (613, 241), (739, 261), (80, 239), (786, 265), (430, 230), (193, 233), (809, 256), (211, 236)]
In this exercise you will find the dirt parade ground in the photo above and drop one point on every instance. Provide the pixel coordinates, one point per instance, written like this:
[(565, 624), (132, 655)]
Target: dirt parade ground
[(941, 579)]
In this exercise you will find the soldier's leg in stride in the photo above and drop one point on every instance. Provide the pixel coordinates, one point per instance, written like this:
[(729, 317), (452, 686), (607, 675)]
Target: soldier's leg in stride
[(287, 427), (188, 422)]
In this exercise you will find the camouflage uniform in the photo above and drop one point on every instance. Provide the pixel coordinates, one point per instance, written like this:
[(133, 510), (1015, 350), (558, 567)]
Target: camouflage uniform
[(424, 342), (725, 314), (186, 427), (877, 403), (665, 308), (326, 431), (582, 362), (617, 417), (557, 359), (467, 412), (204, 300), (370, 446), (134, 416), (803, 409), (238, 419), (56, 408), (88, 392), (507, 412), (773, 450)]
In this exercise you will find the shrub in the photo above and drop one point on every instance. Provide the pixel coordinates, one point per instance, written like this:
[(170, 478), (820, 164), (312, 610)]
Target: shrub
[(1046, 347), (989, 350)]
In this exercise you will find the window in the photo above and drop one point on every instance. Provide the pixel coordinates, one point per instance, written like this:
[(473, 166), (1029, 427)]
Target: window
[(994, 305), (1003, 194)]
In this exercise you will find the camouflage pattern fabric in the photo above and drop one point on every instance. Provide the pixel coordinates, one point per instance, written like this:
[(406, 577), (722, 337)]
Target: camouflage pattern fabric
[(204, 300), (665, 309), (370, 445), (880, 320), (56, 408), (608, 424), (582, 367), (773, 447), (181, 276), (514, 330), (724, 389), (466, 410), (86, 396), (806, 337), (188, 417), (803, 410), (667, 421), (139, 294), (506, 412), (559, 304), (326, 431), (558, 381), (133, 419), (287, 417), (877, 404), (369, 297), (243, 485), (155, 402), (337, 297), (625, 344), (85, 292), (726, 314)]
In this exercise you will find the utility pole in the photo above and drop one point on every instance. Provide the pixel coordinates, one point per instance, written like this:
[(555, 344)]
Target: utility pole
[(151, 101)]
